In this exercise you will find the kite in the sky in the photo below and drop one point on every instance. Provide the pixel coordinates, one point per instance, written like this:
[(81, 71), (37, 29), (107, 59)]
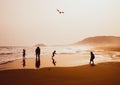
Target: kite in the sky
[(60, 12)]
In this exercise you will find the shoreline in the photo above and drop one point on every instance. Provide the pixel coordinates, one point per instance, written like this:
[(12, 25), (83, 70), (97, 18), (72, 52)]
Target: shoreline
[(46, 61), (18, 64), (62, 60)]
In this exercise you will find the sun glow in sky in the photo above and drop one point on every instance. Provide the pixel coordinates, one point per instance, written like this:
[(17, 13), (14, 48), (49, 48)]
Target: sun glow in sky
[(28, 22)]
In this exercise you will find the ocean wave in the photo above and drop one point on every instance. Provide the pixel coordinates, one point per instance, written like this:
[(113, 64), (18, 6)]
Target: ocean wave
[(66, 53), (5, 61), (6, 53)]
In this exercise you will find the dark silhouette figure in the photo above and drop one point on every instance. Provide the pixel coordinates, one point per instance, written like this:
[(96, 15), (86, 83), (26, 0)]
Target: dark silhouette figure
[(24, 53), (53, 54), (53, 61), (92, 57), (37, 51), (24, 63), (37, 63)]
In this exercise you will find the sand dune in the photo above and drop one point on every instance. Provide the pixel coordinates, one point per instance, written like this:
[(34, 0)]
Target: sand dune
[(100, 74)]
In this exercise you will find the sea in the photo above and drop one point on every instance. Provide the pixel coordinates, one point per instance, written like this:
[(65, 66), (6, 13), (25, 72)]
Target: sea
[(12, 53)]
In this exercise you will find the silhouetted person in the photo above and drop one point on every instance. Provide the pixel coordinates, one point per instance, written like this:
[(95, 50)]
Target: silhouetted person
[(54, 52), (92, 57), (37, 51), (37, 63), (53, 61), (24, 53)]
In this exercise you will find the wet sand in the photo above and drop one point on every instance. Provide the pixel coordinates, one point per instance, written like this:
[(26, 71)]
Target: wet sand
[(100, 74)]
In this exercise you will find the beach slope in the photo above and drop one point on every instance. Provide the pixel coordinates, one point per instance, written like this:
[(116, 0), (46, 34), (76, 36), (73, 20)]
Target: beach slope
[(100, 74)]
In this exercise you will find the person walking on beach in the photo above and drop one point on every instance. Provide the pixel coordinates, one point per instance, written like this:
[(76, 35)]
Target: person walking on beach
[(53, 54), (53, 60), (92, 57), (37, 51), (24, 53)]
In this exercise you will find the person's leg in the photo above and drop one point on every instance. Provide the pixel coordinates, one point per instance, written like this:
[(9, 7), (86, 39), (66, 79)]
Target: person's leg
[(90, 62), (93, 62)]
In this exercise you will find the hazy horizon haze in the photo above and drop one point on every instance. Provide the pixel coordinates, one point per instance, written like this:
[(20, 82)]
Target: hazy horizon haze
[(29, 22)]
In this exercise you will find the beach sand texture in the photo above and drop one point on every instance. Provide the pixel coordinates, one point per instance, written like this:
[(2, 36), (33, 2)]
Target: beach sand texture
[(100, 74)]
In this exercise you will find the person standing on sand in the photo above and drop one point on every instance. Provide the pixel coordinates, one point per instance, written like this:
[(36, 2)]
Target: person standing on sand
[(24, 53), (92, 57), (37, 51)]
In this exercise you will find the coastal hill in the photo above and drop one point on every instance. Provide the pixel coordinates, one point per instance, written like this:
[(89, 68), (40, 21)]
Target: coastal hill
[(40, 45), (100, 41), (108, 43)]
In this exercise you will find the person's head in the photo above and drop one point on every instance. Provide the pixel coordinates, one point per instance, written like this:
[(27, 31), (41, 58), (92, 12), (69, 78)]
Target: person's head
[(37, 47), (91, 52)]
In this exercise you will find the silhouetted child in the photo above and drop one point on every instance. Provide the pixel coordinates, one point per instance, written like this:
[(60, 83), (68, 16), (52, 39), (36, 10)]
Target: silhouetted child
[(92, 57), (54, 52), (24, 53), (53, 60)]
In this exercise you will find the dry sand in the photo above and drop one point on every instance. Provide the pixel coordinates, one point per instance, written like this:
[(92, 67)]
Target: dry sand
[(100, 74)]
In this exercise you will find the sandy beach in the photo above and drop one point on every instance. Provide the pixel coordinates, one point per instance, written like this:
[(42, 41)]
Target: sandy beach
[(70, 69), (59, 42), (100, 74)]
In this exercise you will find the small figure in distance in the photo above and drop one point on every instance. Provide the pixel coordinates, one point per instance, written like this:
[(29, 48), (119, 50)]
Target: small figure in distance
[(53, 60), (53, 54), (92, 57), (37, 63), (37, 51), (24, 53)]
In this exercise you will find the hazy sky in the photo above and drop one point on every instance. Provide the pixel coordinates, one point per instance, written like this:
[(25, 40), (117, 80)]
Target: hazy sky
[(28, 22)]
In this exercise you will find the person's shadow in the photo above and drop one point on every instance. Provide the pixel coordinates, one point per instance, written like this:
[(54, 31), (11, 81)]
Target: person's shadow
[(53, 61), (37, 63), (92, 64), (24, 63)]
